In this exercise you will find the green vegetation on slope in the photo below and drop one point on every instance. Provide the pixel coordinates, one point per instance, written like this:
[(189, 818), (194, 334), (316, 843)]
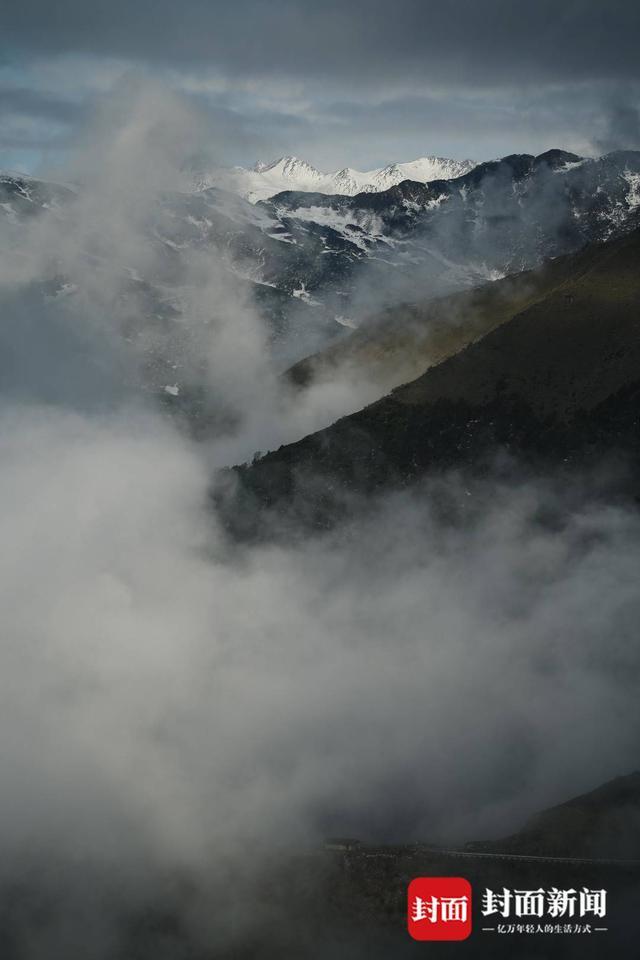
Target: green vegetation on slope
[(559, 378), (403, 342)]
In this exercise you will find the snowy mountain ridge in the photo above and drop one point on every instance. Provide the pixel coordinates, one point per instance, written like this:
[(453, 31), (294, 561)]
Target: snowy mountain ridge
[(264, 180), (314, 263)]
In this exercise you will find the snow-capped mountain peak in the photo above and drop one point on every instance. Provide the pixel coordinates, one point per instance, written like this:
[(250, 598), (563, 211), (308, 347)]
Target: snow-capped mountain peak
[(264, 180), (290, 167)]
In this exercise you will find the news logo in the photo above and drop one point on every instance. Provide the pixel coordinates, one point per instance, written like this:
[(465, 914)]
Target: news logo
[(439, 908)]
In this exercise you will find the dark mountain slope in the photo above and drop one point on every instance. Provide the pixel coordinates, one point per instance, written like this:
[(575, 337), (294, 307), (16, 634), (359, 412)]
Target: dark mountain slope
[(560, 380), (602, 823), (566, 351), (402, 342)]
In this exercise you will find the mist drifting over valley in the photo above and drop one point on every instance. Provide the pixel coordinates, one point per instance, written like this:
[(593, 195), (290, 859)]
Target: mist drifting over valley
[(212, 660)]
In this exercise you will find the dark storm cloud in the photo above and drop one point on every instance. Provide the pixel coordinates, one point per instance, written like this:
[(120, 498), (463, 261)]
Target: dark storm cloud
[(465, 41), (340, 82)]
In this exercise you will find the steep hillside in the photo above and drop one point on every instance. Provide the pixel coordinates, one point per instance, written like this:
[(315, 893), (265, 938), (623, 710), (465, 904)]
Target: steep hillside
[(560, 377), (400, 343)]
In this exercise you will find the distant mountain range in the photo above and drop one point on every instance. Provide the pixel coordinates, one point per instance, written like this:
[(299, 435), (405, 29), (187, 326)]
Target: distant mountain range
[(318, 265), (264, 180)]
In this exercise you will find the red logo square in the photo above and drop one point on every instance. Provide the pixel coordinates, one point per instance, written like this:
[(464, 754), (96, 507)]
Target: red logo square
[(439, 908)]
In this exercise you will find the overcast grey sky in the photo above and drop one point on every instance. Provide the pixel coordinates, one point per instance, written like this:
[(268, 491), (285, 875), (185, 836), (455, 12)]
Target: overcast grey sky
[(339, 82)]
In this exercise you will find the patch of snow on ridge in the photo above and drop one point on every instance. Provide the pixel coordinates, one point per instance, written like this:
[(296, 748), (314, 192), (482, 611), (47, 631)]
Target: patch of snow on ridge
[(359, 229), (346, 322), (633, 195), (301, 294), (570, 165)]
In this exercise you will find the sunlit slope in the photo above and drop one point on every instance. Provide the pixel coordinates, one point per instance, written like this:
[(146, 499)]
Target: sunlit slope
[(558, 376), (403, 342), (567, 349)]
